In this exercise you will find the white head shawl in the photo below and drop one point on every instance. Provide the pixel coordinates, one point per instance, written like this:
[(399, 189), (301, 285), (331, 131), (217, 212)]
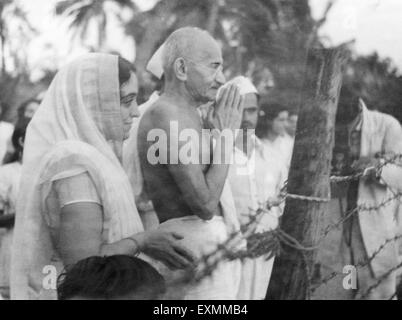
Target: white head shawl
[(244, 84), (155, 64), (77, 128)]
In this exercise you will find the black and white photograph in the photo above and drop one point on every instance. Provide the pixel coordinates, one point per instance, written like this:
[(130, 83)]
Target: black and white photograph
[(219, 151)]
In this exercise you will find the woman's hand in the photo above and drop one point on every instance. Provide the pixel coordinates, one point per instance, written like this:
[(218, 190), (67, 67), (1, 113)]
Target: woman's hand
[(165, 247)]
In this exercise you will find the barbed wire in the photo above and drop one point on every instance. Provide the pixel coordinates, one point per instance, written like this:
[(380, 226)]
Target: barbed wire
[(380, 280), (273, 242), (360, 264), (394, 295)]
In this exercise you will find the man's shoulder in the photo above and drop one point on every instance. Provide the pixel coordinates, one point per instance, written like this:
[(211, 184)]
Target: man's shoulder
[(384, 119), (162, 109)]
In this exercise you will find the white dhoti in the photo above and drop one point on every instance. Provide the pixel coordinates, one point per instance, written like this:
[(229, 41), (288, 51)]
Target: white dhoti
[(256, 274), (254, 181), (202, 237)]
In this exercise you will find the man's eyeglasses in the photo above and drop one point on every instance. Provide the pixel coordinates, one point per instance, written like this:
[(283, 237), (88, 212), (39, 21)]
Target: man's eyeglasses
[(217, 69)]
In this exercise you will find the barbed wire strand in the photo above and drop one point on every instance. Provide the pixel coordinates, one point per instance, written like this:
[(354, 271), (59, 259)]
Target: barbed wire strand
[(271, 242)]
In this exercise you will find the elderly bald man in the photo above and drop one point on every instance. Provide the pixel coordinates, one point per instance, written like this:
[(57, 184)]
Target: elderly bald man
[(192, 196)]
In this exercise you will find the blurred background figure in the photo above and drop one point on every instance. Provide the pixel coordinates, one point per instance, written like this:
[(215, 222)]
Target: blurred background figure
[(253, 183), (117, 277), (289, 137), (361, 136), (39, 97), (271, 129), (292, 124), (10, 175), (25, 112), (28, 108), (264, 80)]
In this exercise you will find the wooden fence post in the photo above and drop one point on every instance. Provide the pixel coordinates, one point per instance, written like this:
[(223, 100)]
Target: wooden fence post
[(309, 173)]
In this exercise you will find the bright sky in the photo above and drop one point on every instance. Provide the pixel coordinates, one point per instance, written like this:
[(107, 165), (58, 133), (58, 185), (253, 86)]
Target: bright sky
[(374, 24)]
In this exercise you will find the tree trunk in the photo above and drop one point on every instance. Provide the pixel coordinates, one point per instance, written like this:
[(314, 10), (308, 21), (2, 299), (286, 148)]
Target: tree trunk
[(309, 173)]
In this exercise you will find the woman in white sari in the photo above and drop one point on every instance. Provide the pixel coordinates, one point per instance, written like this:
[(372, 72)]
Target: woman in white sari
[(75, 199)]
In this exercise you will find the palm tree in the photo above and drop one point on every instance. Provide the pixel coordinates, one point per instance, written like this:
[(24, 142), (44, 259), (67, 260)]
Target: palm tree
[(3, 5), (83, 12), (12, 38), (150, 28), (255, 34)]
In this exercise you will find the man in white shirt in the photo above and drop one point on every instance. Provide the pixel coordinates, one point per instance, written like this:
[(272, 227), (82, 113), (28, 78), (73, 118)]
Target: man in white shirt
[(362, 138), (253, 182)]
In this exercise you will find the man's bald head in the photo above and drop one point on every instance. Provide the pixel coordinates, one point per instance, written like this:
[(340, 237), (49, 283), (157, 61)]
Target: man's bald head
[(188, 43)]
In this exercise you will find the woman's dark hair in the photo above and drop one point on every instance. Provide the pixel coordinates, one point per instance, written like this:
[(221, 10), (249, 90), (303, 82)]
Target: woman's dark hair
[(125, 69), (268, 112), (24, 105), (109, 277), (19, 132)]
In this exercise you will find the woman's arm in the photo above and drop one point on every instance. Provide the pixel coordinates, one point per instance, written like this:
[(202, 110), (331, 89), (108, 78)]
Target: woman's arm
[(81, 237), (81, 233)]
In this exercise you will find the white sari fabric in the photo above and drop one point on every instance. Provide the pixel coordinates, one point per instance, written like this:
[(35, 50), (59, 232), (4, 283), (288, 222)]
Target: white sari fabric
[(78, 128)]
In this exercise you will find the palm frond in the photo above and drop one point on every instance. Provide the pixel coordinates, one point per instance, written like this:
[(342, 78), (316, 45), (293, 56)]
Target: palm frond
[(66, 6)]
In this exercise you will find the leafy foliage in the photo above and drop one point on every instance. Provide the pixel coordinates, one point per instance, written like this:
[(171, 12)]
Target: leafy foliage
[(83, 12), (15, 32), (378, 83)]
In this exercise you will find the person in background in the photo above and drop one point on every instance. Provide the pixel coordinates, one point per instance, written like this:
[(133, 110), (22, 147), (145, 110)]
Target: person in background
[(39, 97), (363, 139), (73, 177), (292, 124), (25, 112), (10, 175), (6, 130), (271, 130), (264, 80), (117, 277), (289, 137), (28, 108), (253, 182)]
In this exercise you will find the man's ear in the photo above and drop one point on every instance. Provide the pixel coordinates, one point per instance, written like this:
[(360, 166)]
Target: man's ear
[(21, 142), (180, 69)]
